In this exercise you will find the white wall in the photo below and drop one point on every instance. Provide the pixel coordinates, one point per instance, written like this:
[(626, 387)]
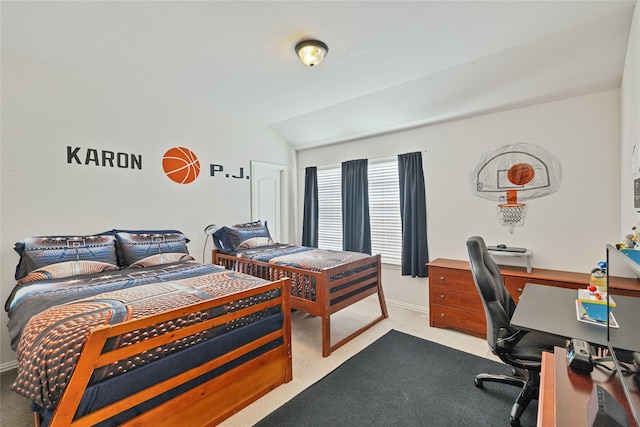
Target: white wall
[(45, 109), (630, 91), (567, 230)]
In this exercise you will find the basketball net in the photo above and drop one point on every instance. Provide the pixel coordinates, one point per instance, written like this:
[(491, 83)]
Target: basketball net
[(512, 213)]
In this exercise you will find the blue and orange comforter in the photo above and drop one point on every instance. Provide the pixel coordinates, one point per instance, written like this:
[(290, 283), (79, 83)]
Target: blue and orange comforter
[(313, 259), (50, 319)]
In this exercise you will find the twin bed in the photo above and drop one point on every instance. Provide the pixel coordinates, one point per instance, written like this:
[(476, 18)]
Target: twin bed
[(323, 282), (125, 328)]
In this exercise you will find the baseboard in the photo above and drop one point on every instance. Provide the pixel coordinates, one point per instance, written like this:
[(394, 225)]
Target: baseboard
[(9, 366), (413, 307), (401, 304)]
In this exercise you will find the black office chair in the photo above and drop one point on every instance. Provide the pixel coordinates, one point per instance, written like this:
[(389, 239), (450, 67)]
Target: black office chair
[(518, 348)]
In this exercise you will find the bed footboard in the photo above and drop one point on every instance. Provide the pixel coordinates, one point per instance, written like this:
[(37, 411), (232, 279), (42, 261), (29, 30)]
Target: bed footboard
[(204, 405), (321, 293), (345, 285)]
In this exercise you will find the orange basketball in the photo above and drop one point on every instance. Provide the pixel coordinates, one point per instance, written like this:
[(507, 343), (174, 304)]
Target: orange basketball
[(181, 165), (521, 173)]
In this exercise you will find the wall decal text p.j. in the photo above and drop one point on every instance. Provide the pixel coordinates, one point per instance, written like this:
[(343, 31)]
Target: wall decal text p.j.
[(219, 169)]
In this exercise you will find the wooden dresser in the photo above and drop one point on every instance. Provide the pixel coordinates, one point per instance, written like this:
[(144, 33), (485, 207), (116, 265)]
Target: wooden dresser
[(454, 301)]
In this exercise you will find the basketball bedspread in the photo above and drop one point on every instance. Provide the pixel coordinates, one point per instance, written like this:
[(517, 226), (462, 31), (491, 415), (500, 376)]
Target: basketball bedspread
[(49, 319), (300, 256)]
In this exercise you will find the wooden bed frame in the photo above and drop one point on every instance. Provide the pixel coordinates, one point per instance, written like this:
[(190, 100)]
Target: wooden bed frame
[(331, 283), (205, 405)]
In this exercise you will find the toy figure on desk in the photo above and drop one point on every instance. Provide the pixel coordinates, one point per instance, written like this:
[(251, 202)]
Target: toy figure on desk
[(628, 242), (592, 305), (595, 292), (598, 280)]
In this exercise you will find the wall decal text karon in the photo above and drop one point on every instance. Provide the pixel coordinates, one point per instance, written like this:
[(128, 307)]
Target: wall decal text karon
[(106, 158)]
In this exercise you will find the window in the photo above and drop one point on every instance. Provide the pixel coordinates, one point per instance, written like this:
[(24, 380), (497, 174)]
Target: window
[(384, 209), (330, 208)]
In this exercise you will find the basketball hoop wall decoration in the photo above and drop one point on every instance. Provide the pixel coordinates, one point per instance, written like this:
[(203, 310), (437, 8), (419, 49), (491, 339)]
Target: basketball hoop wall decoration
[(513, 173)]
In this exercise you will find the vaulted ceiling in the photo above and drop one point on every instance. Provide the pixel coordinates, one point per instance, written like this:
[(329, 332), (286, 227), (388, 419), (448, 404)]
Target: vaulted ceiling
[(391, 65)]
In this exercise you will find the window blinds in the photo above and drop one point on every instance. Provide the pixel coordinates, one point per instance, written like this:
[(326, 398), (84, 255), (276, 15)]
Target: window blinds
[(330, 208), (384, 209)]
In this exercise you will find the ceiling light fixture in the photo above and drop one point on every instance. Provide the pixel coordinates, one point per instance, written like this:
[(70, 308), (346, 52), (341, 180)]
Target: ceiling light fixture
[(311, 52)]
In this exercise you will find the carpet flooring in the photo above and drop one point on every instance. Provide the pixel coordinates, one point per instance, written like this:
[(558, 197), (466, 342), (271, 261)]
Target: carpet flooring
[(402, 380)]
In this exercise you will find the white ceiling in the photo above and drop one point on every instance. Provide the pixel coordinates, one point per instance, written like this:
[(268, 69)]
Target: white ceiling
[(391, 64)]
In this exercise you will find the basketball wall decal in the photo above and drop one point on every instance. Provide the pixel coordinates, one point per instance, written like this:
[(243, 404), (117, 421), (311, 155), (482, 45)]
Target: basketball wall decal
[(521, 173), (181, 165)]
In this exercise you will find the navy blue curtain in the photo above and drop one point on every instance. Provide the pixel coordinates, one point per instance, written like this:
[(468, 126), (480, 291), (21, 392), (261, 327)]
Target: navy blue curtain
[(310, 218), (356, 225), (413, 210)]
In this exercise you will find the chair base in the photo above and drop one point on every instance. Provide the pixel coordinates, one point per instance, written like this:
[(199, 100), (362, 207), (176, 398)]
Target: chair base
[(498, 378), (530, 388)]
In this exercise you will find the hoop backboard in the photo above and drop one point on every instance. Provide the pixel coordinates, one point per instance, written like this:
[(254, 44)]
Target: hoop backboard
[(490, 176)]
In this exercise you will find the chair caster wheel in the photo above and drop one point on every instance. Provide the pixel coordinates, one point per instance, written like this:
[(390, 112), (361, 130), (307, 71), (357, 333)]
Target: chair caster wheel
[(478, 383), (515, 422)]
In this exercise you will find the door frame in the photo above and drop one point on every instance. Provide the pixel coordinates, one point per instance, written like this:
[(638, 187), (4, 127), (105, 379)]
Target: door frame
[(284, 195)]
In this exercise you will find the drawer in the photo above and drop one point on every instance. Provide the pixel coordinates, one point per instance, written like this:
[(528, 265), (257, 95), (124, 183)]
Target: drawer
[(466, 321), (455, 298), (454, 279), (515, 292), (515, 285)]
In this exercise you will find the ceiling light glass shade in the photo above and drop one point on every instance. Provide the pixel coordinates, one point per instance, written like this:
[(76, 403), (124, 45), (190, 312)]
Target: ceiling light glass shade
[(311, 52)]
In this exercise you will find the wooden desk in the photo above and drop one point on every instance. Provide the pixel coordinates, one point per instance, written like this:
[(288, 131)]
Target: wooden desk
[(564, 394), (552, 310), (454, 301)]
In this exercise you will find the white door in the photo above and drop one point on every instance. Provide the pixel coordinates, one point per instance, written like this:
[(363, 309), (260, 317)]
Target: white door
[(267, 199)]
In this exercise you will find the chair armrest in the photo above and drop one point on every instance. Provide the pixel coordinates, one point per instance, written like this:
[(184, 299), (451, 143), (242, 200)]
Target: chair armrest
[(507, 339)]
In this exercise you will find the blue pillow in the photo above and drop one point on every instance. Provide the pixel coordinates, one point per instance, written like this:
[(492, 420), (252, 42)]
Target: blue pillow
[(41, 251), (221, 240), (230, 237), (134, 245)]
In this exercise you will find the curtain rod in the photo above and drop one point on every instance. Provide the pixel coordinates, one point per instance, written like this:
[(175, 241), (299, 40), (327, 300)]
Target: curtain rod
[(427, 152)]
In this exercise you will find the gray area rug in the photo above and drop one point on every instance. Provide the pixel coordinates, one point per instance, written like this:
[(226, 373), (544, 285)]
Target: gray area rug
[(402, 380)]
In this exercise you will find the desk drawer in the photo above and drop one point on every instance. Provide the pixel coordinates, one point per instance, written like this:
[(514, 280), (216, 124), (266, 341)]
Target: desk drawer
[(454, 298), (466, 321), (451, 278), (515, 285), (515, 288)]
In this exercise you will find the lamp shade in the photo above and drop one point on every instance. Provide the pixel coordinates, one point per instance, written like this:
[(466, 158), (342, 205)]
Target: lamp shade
[(311, 52)]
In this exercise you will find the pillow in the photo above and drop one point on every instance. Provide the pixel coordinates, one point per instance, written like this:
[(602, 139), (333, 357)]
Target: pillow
[(67, 269), (134, 245), (221, 240), (237, 234), (168, 258), (36, 252), (255, 242)]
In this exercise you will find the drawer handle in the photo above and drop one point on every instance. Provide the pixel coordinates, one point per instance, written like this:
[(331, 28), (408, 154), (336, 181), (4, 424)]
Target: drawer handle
[(441, 296), (441, 314), (520, 290), (441, 277)]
